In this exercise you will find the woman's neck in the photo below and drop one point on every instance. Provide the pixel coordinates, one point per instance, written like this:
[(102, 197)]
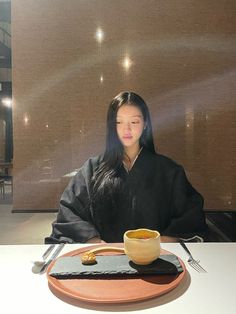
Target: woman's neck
[(131, 152), (130, 156)]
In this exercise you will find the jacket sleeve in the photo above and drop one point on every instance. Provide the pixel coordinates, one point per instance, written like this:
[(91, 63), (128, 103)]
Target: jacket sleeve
[(187, 216), (74, 222)]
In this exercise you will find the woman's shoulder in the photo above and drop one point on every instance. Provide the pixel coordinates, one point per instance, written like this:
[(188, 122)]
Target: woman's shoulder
[(92, 162), (163, 161), (89, 166), (167, 161)]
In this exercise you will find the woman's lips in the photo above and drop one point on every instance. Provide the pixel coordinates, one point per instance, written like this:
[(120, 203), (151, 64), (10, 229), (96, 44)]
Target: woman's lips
[(127, 137)]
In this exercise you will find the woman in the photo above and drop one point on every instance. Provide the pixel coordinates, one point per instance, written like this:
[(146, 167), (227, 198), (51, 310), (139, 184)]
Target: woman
[(130, 186)]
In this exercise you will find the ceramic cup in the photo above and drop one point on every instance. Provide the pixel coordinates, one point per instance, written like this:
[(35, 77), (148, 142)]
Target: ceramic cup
[(142, 246)]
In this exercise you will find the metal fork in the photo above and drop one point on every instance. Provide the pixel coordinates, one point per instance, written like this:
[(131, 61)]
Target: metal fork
[(54, 255), (45, 255), (193, 262)]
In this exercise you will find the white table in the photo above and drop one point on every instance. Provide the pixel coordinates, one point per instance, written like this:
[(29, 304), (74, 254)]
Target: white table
[(213, 292)]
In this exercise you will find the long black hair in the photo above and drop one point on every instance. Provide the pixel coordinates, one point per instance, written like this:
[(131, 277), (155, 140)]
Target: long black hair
[(107, 180), (114, 152)]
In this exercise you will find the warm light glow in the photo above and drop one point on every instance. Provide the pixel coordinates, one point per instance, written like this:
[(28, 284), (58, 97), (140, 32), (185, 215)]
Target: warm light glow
[(189, 116), (127, 62), (7, 102), (101, 78), (99, 35), (26, 120)]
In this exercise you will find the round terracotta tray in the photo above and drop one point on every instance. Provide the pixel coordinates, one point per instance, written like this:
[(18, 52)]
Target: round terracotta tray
[(113, 290)]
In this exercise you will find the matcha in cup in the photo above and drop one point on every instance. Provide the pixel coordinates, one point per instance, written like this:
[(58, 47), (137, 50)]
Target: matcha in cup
[(142, 246)]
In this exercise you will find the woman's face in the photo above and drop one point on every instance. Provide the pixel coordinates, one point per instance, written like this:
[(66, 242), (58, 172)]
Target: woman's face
[(129, 125)]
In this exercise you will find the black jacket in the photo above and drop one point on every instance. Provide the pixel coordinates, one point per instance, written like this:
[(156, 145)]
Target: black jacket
[(160, 198)]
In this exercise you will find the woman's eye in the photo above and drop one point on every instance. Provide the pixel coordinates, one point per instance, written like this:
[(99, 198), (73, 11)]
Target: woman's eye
[(118, 122), (135, 122)]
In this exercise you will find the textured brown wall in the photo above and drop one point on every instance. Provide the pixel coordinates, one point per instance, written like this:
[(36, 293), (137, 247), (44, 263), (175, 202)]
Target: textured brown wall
[(182, 57)]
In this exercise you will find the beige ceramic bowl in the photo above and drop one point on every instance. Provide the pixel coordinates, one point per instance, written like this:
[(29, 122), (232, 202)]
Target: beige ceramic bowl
[(142, 246)]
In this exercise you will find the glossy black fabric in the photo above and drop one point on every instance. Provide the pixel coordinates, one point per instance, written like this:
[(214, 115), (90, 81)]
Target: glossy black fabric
[(159, 196)]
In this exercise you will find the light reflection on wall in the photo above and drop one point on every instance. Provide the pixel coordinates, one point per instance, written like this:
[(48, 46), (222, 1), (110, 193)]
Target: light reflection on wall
[(127, 63), (26, 120), (189, 122), (99, 35)]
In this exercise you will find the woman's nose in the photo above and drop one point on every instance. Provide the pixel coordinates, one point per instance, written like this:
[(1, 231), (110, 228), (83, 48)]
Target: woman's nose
[(127, 126)]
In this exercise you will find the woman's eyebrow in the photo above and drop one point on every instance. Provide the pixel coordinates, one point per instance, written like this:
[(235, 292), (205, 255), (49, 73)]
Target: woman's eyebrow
[(135, 116)]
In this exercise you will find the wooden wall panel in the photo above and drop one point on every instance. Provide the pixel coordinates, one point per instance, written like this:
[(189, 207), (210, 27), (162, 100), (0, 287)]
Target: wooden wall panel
[(182, 62)]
